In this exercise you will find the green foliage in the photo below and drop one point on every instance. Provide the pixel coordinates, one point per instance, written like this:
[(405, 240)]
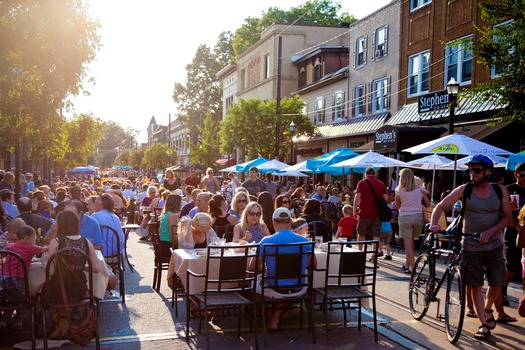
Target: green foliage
[(319, 12), (44, 49), (251, 124), (114, 139), (83, 135), (136, 156), (506, 55), (206, 150), (156, 156), (202, 92)]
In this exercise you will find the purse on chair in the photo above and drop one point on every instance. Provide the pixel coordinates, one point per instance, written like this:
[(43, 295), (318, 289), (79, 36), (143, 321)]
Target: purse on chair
[(83, 331)]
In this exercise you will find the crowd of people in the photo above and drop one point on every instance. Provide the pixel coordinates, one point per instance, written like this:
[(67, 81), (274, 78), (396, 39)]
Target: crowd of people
[(204, 208)]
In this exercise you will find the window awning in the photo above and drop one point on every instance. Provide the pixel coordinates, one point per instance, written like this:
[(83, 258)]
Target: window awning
[(226, 161)]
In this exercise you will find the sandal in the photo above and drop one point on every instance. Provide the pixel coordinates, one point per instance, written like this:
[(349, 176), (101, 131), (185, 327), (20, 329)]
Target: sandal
[(491, 319), (480, 334), (507, 319), (471, 313)]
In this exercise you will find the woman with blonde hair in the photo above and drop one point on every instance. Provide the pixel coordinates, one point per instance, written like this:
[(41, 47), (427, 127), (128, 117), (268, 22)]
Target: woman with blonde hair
[(409, 201), (252, 227), (195, 233), (171, 183), (239, 202), (210, 182)]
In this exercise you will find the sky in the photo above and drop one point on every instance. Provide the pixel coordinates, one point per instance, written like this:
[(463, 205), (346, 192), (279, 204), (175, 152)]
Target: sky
[(146, 45)]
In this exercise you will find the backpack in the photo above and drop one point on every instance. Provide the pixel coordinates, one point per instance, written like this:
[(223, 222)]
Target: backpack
[(468, 191)]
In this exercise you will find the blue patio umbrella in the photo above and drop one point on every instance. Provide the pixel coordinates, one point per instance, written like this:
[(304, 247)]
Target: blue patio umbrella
[(245, 167), (514, 159), (322, 163), (83, 169)]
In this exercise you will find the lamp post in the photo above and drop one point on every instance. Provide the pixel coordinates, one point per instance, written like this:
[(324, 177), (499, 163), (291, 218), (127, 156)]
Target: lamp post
[(452, 91), (293, 129)]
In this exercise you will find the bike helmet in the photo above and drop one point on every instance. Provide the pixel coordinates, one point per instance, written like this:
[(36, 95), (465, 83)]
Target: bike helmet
[(481, 159)]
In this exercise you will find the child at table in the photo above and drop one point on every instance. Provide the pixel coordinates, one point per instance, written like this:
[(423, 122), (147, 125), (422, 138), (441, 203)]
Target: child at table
[(25, 247), (300, 226), (347, 224)]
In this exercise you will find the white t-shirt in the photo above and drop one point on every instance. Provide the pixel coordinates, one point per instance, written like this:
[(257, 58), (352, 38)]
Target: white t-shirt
[(410, 202)]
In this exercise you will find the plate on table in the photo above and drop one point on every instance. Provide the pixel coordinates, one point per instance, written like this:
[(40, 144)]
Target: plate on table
[(201, 252)]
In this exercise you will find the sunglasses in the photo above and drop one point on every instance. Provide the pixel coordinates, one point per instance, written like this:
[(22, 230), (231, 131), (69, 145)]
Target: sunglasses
[(285, 202), (253, 213), (475, 170), (521, 176), (242, 201)]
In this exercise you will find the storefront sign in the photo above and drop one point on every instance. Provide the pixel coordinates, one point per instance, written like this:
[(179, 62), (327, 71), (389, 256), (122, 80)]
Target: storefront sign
[(433, 101), (385, 137), (309, 150)]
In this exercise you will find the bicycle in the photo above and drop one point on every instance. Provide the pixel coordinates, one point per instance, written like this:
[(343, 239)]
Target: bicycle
[(424, 285)]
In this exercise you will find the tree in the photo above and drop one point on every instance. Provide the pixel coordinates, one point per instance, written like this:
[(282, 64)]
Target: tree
[(44, 49), (206, 150), (505, 55), (114, 139), (250, 125), (202, 92), (83, 134), (156, 157), (320, 12)]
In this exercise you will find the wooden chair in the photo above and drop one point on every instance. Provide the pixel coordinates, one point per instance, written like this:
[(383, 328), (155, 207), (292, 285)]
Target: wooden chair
[(161, 262), (114, 258), (14, 291), (48, 301), (286, 267), (228, 287), (350, 277)]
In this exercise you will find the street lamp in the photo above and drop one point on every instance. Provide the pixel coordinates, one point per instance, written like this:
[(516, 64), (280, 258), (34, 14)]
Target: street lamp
[(452, 91), (293, 129)]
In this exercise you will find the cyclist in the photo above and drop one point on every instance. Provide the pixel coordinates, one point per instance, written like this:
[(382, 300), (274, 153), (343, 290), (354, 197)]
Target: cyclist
[(485, 216)]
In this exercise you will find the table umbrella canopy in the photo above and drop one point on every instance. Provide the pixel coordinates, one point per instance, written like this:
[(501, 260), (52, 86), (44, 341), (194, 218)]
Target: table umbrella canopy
[(245, 167), (456, 144), (322, 163), (271, 165), (431, 162), (298, 167), (83, 169), (515, 159), (293, 173), (370, 159), (499, 162)]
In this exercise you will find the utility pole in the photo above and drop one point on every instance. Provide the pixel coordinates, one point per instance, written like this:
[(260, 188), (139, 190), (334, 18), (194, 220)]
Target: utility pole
[(278, 96)]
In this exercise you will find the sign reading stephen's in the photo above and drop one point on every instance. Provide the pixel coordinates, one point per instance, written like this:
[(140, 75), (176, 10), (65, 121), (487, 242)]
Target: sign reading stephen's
[(385, 137), (433, 101)]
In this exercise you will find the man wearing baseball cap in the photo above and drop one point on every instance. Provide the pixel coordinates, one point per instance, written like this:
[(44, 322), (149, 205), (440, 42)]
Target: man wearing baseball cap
[(282, 222), (486, 215)]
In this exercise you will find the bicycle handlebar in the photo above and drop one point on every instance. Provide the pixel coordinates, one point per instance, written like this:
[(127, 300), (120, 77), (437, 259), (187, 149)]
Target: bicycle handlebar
[(445, 234)]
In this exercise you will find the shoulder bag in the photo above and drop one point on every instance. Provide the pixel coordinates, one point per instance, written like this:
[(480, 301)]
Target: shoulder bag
[(383, 211)]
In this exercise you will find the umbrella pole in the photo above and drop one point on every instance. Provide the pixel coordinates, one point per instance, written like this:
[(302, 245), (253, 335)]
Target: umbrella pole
[(433, 181)]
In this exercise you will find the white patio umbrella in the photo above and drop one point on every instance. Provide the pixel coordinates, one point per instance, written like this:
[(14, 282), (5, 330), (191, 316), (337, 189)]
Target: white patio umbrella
[(298, 167), (229, 169), (429, 162), (293, 173), (271, 165), (499, 162), (368, 159), (457, 144)]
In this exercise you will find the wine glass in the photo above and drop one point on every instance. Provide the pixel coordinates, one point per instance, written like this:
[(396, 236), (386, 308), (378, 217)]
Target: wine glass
[(318, 241)]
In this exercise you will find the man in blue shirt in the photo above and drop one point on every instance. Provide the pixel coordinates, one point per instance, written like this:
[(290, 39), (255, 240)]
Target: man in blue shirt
[(320, 194), (282, 222), (105, 216)]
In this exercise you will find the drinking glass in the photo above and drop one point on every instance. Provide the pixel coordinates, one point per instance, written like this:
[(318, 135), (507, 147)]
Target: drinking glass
[(124, 220), (318, 241), (213, 241)]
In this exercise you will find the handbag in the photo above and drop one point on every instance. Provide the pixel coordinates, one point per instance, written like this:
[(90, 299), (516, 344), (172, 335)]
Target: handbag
[(83, 331), (383, 210)]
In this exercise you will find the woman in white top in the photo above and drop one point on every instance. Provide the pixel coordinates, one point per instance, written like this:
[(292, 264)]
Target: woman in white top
[(195, 233), (410, 201)]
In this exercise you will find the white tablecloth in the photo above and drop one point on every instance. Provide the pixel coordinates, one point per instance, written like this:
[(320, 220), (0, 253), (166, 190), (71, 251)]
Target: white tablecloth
[(37, 277), (186, 259)]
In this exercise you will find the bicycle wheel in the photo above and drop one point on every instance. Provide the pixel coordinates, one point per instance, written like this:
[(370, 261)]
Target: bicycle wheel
[(454, 304), (419, 288)]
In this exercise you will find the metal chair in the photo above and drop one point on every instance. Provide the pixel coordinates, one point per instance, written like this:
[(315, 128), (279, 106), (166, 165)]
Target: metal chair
[(288, 268), (14, 287), (161, 261), (65, 270), (319, 228), (112, 257), (225, 231), (228, 287), (350, 278)]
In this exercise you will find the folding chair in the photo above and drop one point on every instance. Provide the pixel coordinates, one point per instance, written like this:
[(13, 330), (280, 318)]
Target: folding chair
[(350, 278), (113, 257), (229, 287)]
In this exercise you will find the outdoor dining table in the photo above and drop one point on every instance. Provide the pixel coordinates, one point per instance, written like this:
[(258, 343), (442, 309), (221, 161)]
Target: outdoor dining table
[(37, 277), (127, 229), (195, 260)]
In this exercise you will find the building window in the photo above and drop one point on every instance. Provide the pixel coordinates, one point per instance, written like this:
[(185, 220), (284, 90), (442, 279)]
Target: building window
[(418, 73), (229, 102), (302, 77), (379, 46), (319, 110), (266, 66), (317, 71), (494, 71), (379, 95), (458, 61), (360, 52), (339, 105), (415, 4), (359, 100)]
